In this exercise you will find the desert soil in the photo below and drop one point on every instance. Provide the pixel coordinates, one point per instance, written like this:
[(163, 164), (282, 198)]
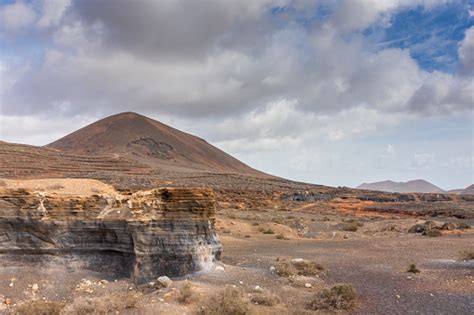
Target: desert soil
[(374, 259)]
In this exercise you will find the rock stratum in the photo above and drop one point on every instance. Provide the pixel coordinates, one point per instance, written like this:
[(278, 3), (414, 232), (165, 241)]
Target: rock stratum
[(163, 231)]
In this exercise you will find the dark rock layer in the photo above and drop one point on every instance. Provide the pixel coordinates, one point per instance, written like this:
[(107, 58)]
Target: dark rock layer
[(167, 231)]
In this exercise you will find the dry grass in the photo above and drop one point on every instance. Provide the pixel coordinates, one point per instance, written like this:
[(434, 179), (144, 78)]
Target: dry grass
[(300, 268), (339, 297), (106, 304), (463, 226), (433, 233), (265, 298), (39, 307), (413, 269), (466, 254), (229, 301), (185, 294), (281, 237)]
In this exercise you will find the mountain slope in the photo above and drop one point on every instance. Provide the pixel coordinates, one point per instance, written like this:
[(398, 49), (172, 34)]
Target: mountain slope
[(148, 141), (468, 191), (418, 185)]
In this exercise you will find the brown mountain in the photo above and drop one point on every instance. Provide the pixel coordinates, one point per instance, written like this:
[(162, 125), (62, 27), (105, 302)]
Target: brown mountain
[(468, 191), (418, 185), (147, 141)]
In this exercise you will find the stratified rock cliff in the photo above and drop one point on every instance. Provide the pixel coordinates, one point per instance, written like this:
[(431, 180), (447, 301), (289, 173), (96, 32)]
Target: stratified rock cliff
[(165, 231)]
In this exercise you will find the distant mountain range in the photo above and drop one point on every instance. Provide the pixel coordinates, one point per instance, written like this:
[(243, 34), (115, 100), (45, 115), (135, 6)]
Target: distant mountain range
[(417, 185)]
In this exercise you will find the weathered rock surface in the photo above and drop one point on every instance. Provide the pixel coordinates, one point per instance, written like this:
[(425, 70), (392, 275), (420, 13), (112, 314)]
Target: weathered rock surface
[(165, 231)]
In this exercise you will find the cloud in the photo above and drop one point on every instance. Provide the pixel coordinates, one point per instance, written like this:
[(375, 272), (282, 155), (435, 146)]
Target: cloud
[(466, 51), (16, 16), (52, 12)]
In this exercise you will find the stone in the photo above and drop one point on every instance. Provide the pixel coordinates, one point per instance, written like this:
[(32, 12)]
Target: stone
[(258, 289), (297, 260), (272, 269), (163, 230), (219, 268), (164, 281), (308, 285), (35, 287)]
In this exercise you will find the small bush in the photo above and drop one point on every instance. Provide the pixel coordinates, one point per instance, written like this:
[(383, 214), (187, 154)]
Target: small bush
[(55, 187), (433, 233), (265, 298), (231, 216), (300, 268), (463, 226), (268, 231), (2, 183), (105, 304), (255, 224), (467, 254), (413, 269), (39, 307), (277, 220), (350, 226), (185, 294), (226, 231), (339, 297), (281, 237), (229, 301)]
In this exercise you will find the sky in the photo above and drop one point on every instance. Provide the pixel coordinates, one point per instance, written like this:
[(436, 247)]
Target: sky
[(331, 92)]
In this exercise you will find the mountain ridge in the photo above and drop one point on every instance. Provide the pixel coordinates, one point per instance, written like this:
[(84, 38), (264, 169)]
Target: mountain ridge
[(417, 185)]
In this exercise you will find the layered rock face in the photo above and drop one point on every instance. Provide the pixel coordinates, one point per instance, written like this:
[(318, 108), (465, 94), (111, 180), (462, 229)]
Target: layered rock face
[(165, 231)]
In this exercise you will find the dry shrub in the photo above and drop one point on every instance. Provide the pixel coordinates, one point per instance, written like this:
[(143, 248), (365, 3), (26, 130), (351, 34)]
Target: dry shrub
[(39, 307), (467, 254), (105, 304), (413, 269), (339, 297), (463, 226), (185, 294), (2, 183), (433, 233), (350, 226), (229, 301), (300, 268), (281, 237), (55, 187), (268, 231), (265, 298)]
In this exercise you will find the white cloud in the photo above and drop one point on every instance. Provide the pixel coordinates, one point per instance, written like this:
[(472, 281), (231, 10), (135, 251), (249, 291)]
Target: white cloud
[(52, 12), (16, 16), (466, 51)]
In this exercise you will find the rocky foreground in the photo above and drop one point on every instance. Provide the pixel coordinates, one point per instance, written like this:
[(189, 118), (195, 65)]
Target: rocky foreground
[(164, 231)]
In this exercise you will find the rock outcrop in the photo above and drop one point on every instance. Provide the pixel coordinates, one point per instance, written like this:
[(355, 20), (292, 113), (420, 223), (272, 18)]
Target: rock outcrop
[(165, 231)]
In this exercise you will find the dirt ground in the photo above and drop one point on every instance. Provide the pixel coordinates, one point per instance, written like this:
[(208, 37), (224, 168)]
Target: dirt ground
[(374, 259)]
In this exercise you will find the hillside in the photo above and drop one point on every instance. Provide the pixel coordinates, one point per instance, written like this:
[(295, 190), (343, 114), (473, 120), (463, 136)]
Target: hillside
[(147, 141), (468, 191), (418, 185)]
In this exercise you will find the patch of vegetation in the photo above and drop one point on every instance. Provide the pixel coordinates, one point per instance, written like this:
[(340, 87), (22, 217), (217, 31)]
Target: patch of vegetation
[(106, 304), (265, 298), (350, 226), (277, 220), (300, 268), (231, 216), (413, 269), (39, 307), (339, 297), (226, 231), (229, 301), (268, 231), (55, 187), (463, 226), (466, 254), (255, 224), (281, 237), (185, 294), (433, 233)]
